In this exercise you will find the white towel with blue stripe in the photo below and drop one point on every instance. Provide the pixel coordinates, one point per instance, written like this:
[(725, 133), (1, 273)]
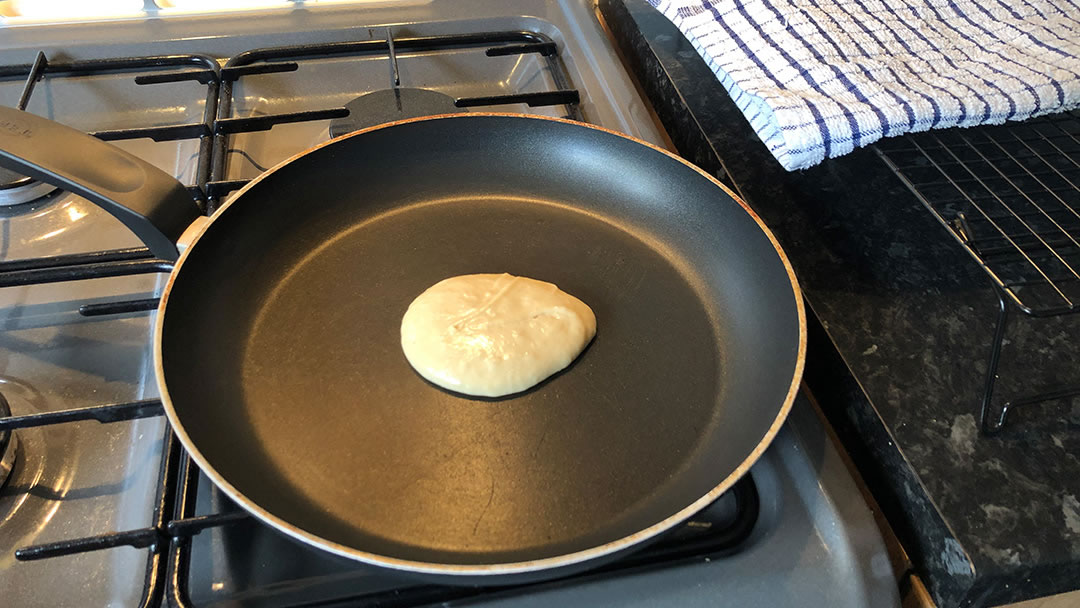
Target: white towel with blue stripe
[(819, 78)]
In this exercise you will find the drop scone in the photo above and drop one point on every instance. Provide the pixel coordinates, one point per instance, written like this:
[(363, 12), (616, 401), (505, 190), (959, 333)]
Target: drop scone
[(494, 334)]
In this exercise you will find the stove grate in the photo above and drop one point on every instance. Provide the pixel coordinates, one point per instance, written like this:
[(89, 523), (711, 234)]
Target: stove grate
[(289, 59), (163, 68), (175, 523)]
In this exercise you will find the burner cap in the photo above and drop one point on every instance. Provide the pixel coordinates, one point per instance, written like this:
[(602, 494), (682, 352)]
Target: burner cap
[(16, 189), (389, 105), (7, 445)]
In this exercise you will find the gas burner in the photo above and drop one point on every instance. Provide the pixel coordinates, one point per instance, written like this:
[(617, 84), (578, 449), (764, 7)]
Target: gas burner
[(389, 105), (7, 445), (18, 189)]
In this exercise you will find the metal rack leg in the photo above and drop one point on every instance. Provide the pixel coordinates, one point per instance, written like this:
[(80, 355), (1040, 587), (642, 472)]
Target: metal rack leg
[(990, 424), (992, 419)]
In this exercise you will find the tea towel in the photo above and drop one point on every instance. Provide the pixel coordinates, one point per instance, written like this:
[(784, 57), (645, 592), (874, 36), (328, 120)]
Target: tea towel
[(819, 78)]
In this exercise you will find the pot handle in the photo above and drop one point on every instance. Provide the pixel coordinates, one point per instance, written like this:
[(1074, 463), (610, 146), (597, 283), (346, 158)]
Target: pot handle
[(152, 203)]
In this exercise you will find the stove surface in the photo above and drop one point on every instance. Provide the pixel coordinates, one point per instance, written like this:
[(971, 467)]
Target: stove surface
[(813, 538)]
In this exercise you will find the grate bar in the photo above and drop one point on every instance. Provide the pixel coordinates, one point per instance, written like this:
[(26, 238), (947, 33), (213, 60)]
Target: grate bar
[(193, 525), (36, 72), (221, 188), (395, 74), (116, 412), (88, 67), (162, 133), (234, 73), (115, 308), (140, 539), (547, 49), (200, 76), (76, 259), (543, 98), (82, 272), (421, 43), (226, 126)]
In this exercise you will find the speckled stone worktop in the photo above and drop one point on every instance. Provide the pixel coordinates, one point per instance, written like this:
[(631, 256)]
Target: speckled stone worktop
[(900, 330)]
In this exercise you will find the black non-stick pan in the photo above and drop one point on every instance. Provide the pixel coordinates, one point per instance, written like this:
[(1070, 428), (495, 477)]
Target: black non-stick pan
[(278, 351)]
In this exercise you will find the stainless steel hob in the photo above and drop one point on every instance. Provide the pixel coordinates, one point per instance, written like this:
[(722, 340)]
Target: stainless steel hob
[(103, 508)]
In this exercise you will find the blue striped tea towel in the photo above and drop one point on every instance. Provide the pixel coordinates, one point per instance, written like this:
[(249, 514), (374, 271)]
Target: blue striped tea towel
[(819, 78)]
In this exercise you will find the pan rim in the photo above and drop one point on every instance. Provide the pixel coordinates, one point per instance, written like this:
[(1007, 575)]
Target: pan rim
[(491, 569)]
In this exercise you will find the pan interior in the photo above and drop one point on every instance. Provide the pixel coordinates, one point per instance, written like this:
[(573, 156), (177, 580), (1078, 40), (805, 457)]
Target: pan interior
[(379, 458), (281, 352)]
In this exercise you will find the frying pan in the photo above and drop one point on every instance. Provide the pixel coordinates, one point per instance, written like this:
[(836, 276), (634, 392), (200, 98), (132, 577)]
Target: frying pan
[(277, 348)]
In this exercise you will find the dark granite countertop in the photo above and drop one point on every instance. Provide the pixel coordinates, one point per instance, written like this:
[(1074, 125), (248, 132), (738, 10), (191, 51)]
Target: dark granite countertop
[(901, 328)]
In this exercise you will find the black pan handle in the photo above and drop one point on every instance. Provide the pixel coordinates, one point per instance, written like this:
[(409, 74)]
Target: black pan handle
[(152, 203)]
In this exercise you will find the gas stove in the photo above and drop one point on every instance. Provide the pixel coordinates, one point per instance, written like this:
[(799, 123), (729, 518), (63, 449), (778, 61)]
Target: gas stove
[(99, 503)]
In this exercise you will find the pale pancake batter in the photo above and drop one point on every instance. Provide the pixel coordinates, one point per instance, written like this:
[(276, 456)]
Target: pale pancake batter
[(494, 334)]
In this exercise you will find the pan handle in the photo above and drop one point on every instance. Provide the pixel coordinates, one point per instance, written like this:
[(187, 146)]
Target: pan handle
[(152, 203)]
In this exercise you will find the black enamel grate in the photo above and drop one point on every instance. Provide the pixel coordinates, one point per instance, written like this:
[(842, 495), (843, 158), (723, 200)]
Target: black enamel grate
[(290, 58)]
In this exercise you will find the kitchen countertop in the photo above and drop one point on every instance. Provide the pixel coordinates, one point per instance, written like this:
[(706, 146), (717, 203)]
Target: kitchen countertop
[(900, 330)]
